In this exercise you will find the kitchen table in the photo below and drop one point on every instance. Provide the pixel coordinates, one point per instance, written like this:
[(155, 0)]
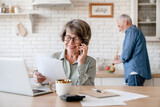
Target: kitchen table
[(52, 100)]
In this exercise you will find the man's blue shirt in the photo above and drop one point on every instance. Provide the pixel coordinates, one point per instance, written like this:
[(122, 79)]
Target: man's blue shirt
[(134, 55)]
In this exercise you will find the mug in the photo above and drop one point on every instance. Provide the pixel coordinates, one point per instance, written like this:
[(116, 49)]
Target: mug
[(62, 86)]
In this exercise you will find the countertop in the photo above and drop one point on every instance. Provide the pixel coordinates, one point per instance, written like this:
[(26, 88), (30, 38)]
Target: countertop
[(116, 74), (120, 74)]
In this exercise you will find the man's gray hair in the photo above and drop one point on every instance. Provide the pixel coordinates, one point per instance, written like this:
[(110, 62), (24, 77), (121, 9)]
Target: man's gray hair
[(125, 17)]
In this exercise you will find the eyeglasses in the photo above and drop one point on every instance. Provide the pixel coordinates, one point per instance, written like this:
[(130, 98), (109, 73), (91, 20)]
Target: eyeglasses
[(75, 40)]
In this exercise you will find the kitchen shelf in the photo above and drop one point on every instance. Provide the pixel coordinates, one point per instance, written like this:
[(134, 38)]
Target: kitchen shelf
[(146, 15), (30, 16), (146, 4), (13, 14), (144, 22)]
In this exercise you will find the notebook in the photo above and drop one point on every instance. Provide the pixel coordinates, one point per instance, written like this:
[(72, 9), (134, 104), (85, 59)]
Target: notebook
[(99, 95), (14, 78)]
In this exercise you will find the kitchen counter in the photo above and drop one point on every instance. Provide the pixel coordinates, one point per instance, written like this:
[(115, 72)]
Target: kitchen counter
[(116, 74), (120, 74), (117, 78)]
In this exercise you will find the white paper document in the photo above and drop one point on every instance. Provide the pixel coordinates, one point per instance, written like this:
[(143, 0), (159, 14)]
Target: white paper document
[(125, 96), (117, 100), (50, 67), (92, 101)]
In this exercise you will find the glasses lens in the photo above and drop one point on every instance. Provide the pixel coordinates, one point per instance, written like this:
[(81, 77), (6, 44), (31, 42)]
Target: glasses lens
[(75, 40), (67, 38)]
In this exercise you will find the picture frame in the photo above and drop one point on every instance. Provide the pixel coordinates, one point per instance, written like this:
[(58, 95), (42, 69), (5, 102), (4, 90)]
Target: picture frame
[(101, 10)]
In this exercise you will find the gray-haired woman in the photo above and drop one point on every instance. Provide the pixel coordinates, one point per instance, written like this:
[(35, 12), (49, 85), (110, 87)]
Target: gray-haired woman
[(78, 67)]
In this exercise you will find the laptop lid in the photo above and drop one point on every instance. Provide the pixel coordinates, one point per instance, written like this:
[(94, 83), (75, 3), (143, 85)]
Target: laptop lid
[(14, 77)]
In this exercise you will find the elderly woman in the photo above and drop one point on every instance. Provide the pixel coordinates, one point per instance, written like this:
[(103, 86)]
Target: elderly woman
[(78, 67)]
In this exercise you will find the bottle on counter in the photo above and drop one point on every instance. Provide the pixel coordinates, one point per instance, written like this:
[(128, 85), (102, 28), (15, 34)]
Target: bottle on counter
[(16, 9), (11, 8), (2, 8)]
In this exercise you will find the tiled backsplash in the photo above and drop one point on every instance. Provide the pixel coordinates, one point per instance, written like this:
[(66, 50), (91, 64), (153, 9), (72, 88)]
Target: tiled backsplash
[(48, 23)]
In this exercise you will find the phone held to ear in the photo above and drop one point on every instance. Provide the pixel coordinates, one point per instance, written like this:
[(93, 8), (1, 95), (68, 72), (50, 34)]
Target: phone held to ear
[(81, 51)]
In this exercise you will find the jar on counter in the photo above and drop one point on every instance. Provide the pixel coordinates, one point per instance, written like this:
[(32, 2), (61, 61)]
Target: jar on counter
[(11, 8), (2, 8), (16, 10), (6, 9)]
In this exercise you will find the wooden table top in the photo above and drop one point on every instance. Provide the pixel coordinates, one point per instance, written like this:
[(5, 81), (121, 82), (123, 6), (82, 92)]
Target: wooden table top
[(52, 100)]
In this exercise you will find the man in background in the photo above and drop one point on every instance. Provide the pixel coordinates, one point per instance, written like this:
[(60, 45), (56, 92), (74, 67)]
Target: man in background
[(134, 55)]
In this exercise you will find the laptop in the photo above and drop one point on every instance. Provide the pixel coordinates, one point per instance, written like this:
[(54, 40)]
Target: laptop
[(15, 79)]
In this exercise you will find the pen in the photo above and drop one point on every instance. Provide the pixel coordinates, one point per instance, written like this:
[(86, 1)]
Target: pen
[(100, 91)]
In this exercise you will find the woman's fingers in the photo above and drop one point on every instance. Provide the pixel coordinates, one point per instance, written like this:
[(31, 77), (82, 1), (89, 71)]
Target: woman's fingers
[(38, 77), (83, 47), (41, 79), (38, 73)]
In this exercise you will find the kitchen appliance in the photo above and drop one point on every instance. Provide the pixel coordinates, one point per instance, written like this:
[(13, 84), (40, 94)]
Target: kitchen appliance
[(52, 3)]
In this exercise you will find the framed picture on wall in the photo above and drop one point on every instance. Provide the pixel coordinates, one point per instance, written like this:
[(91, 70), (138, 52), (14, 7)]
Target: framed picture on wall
[(101, 10)]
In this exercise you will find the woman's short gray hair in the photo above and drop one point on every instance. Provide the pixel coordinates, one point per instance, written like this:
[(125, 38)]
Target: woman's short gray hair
[(125, 17), (79, 28)]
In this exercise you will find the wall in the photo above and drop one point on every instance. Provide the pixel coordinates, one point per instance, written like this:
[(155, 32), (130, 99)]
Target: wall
[(47, 26)]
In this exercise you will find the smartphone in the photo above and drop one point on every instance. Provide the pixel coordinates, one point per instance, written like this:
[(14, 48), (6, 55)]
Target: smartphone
[(81, 45)]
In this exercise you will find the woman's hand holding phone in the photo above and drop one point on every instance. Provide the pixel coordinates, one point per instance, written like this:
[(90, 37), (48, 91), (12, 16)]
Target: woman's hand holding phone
[(83, 53)]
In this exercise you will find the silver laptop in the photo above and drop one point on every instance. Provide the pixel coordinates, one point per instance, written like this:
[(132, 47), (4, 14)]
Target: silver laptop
[(14, 78)]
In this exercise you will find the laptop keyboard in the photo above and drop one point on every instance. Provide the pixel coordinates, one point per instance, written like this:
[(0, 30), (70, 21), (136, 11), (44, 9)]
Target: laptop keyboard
[(37, 91)]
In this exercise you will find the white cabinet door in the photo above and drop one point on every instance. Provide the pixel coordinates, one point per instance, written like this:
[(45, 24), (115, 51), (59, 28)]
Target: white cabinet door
[(145, 15), (149, 82), (113, 82), (121, 82), (156, 81), (97, 81)]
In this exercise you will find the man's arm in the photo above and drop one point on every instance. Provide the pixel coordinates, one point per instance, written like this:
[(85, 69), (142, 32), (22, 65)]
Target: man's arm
[(128, 46)]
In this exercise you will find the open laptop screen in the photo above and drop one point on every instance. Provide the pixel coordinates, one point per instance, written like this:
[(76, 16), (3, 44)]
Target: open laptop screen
[(14, 78)]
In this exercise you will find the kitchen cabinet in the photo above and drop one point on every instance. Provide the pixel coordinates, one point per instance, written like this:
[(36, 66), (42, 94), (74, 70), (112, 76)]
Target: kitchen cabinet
[(113, 82), (146, 15), (150, 82), (121, 82), (109, 82), (157, 82), (97, 81), (29, 15)]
